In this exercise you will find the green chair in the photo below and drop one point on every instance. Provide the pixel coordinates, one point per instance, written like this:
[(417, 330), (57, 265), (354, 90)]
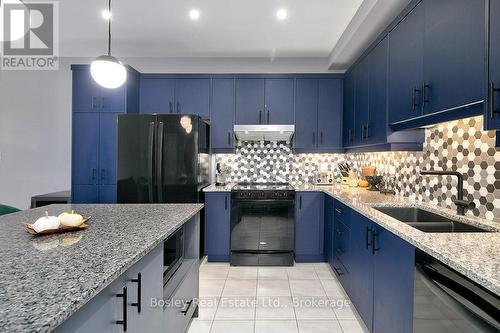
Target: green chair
[(7, 209)]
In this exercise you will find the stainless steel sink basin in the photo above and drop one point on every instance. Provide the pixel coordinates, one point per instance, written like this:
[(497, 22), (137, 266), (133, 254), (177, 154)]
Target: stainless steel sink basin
[(426, 221)]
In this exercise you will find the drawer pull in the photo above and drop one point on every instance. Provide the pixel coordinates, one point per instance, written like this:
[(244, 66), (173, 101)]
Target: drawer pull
[(184, 312), (338, 271), (338, 211), (139, 292)]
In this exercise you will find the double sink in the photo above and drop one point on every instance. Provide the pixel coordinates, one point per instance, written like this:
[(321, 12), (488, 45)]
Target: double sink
[(427, 221)]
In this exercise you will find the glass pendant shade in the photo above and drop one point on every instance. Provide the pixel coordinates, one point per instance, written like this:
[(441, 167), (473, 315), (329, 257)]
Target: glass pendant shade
[(108, 71)]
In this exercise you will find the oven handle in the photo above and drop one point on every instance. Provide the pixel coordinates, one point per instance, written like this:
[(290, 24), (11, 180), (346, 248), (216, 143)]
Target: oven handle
[(261, 251), (458, 297)]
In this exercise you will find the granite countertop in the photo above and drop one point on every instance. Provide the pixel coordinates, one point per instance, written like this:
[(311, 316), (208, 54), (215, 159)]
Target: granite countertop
[(45, 279), (215, 188), (475, 255)]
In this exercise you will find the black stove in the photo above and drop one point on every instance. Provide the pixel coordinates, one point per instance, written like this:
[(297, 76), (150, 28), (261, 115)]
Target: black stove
[(263, 191), (262, 224)]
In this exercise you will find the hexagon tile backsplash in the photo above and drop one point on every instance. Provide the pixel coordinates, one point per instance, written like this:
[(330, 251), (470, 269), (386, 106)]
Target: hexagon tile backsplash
[(457, 145)]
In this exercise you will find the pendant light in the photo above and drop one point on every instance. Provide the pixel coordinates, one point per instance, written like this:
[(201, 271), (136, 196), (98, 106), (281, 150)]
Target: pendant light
[(106, 70)]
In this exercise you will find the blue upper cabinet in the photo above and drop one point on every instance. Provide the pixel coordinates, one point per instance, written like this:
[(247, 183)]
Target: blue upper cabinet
[(453, 54), (348, 130), (306, 114), (406, 43), (222, 137), (330, 114), (157, 95), (264, 101), (193, 97), (250, 101), (309, 227), (492, 109), (376, 128), (318, 115), (217, 225), (86, 92), (362, 74), (279, 101)]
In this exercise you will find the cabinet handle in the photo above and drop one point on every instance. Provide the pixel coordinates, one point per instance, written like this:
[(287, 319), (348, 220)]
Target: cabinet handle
[(374, 236), (339, 252), (260, 116), (184, 312), (492, 92), (367, 131), (339, 232), (124, 309), (321, 138), (338, 211), (225, 202), (94, 175), (94, 102), (178, 107), (103, 175), (102, 102), (414, 98), (367, 230), (139, 292), (268, 116), (171, 107), (314, 138), (300, 202), (350, 136), (362, 131), (425, 93), (338, 271), (228, 138)]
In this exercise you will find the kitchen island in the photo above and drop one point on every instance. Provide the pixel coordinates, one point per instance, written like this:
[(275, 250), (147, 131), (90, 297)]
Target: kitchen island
[(44, 280)]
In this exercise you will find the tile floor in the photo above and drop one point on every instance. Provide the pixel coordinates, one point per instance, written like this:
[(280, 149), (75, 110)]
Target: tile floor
[(306, 298)]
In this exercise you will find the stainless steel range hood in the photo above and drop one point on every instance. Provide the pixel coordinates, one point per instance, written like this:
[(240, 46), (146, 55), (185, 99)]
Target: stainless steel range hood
[(264, 132)]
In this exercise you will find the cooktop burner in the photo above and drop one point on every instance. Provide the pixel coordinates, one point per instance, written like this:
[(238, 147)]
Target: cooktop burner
[(263, 187)]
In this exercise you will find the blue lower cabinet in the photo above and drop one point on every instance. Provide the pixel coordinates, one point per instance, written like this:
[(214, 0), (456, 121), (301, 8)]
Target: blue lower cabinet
[(329, 235), (309, 227), (85, 194), (393, 272), (217, 226)]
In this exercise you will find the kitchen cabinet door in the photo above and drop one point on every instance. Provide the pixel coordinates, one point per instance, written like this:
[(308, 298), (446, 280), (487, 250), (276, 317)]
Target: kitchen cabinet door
[(453, 53), (376, 130), (107, 148), (492, 109), (329, 229), (193, 97), (406, 42), (279, 102), (329, 114), (217, 226), (107, 194), (156, 95), (306, 113), (362, 73), (361, 267), (309, 227), (222, 123), (249, 101), (393, 283), (84, 194), (348, 130), (85, 151), (114, 100), (86, 92)]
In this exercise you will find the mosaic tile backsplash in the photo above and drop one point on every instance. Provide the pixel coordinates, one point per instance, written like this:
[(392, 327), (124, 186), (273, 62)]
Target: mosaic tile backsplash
[(458, 145)]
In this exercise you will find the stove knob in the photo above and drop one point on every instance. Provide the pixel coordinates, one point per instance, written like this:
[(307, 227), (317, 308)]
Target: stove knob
[(330, 180), (318, 180)]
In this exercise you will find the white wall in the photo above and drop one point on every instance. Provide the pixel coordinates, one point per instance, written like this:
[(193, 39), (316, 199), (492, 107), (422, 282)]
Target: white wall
[(35, 117)]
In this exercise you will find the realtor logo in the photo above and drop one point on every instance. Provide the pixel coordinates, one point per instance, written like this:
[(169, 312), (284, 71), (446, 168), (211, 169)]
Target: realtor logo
[(30, 35)]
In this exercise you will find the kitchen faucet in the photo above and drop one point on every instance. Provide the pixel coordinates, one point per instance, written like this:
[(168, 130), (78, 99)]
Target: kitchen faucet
[(461, 204)]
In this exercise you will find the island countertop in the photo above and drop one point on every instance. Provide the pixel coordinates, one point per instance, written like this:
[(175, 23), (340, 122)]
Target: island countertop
[(45, 279)]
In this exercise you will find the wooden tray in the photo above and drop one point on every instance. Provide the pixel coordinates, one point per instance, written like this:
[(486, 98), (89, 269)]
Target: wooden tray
[(29, 228)]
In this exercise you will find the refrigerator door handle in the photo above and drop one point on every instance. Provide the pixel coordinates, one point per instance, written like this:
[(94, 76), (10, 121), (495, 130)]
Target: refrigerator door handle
[(150, 159), (159, 162)]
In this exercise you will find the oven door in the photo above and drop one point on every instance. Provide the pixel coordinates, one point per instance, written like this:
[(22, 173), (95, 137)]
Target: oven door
[(262, 232)]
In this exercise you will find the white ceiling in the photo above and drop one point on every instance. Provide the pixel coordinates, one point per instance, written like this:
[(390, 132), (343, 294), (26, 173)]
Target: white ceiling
[(227, 28)]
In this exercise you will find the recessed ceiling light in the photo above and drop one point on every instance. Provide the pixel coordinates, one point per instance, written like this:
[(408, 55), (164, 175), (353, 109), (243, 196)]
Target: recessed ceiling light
[(194, 14), (281, 14), (106, 14)]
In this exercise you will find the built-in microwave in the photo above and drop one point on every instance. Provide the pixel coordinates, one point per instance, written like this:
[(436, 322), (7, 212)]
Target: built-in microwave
[(173, 254)]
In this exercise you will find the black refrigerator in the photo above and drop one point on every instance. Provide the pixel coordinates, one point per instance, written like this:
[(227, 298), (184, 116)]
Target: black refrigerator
[(162, 158)]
